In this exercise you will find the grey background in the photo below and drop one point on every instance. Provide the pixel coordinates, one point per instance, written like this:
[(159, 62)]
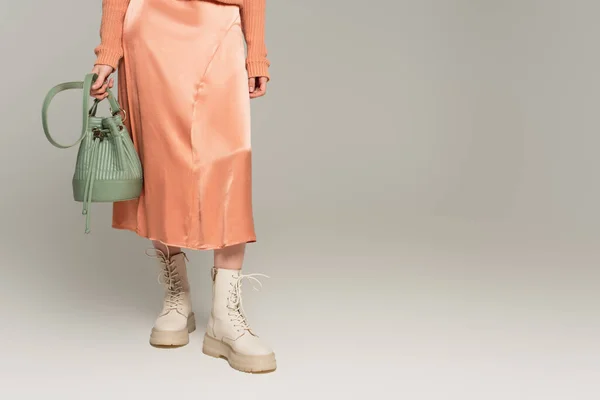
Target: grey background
[(426, 200)]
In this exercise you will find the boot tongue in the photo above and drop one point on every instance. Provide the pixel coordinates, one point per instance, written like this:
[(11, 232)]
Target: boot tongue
[(171, 277)]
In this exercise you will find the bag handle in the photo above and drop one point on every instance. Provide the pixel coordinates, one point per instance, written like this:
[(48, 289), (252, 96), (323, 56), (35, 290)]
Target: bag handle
[(86, 85)]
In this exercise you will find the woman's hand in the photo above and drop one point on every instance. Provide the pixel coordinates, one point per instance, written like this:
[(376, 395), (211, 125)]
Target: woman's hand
[(99, 87), (257, 86)]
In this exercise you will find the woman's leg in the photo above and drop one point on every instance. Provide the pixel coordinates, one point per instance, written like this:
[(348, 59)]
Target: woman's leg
[(166, 250), (228, 333), (230, 257), (176, 320)]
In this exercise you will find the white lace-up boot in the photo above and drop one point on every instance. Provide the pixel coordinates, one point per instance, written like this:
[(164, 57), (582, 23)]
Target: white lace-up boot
[(228, 334), (176, 321)]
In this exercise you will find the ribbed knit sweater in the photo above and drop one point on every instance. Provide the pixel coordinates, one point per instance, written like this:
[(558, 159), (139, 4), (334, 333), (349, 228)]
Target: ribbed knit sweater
[(110, 49)]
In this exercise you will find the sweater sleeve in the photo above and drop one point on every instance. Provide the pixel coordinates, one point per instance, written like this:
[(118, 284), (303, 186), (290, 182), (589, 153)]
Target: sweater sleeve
[(253, 24), (110, 49)]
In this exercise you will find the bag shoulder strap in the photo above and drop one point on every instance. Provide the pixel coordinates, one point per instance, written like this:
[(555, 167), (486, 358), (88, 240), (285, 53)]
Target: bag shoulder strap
[(86, 86)]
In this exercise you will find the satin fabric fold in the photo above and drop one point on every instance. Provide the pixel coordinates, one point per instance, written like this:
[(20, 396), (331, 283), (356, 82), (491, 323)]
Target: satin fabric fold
[(183, 84)]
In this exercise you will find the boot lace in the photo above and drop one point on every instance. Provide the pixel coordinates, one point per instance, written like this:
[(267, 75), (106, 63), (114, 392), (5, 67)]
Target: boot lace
[(169, 277), (235, 306)]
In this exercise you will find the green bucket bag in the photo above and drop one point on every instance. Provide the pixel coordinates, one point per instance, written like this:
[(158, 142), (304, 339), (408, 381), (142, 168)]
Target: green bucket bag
[(108, 168)]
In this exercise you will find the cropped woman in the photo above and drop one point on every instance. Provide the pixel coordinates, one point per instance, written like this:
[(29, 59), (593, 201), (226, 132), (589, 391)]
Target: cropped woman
[(185, 84)]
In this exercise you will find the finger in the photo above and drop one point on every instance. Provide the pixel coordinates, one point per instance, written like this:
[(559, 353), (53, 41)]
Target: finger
[(263, 84), (100, 80), (97, 95), (257, 93), (100, 91), (251, 84), (97, 83), (95, 70)]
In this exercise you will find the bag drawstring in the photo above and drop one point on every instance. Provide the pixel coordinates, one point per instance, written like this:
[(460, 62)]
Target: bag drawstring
[(89, 182)]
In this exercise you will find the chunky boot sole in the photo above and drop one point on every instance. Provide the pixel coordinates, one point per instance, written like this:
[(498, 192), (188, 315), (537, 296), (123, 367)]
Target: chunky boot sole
[(253, 364), (173, 338)]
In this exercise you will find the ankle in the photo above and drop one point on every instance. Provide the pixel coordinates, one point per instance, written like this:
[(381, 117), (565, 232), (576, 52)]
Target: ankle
[(167, 251)]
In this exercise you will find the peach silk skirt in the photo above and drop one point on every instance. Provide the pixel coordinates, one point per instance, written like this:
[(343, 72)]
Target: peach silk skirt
[(183, 84)]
